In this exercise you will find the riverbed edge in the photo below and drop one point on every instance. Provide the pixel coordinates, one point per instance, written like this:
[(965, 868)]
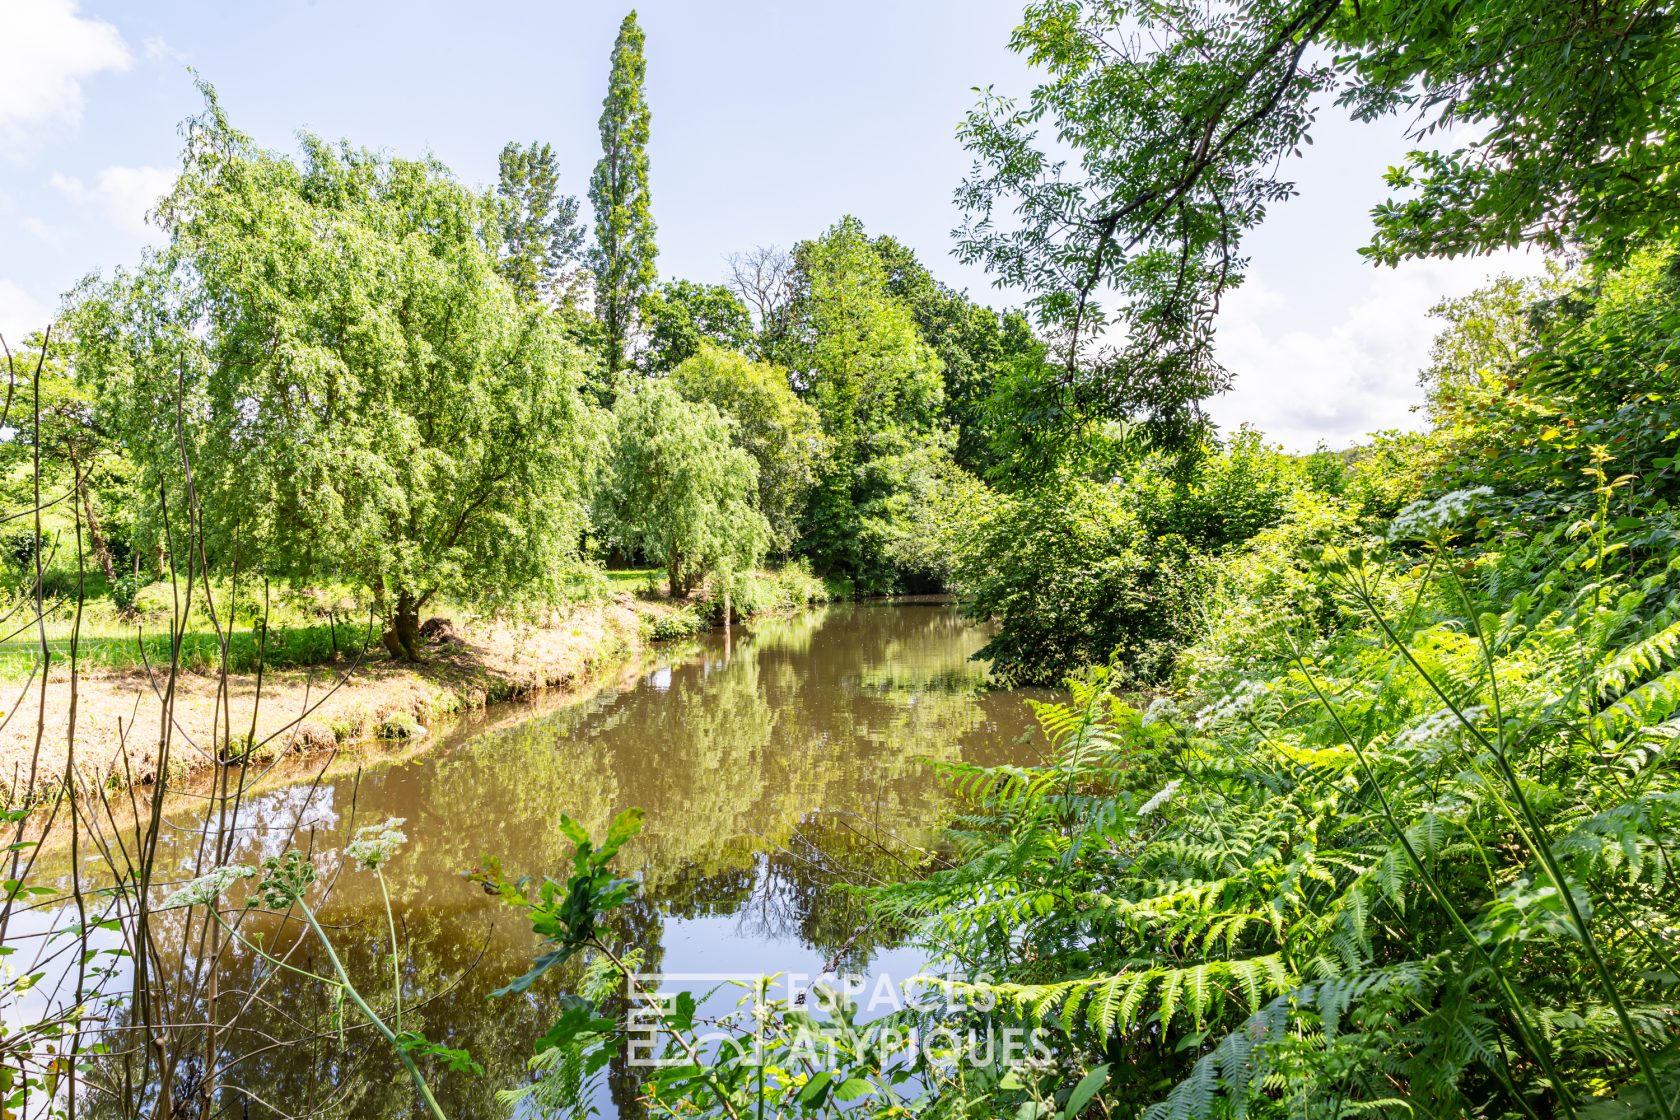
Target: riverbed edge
[(371, 702)]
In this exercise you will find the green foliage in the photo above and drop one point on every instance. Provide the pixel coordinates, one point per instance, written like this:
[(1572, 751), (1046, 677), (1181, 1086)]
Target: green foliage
[(567, 915), (1401, 841), (1596, 371), (1078, 572), (932, 514), (1141, 160), (623, 256), (677, 489), (360, 396), (125, 591), (684, 622), (1412, 845), (782, 433), (1072, 575), (863, 364), (1487, 331), (680, 317), (541, 237), (1573, 114), (976, 346), (758, 594), (51, 412)]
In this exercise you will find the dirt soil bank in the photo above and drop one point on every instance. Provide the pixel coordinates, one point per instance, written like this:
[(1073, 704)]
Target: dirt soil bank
[(119, 716)]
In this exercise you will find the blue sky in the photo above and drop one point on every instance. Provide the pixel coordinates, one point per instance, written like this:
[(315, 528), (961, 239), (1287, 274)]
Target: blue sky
[(770, 121)]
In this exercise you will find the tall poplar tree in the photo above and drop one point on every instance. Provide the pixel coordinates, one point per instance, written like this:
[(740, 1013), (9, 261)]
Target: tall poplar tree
[(624, 250)]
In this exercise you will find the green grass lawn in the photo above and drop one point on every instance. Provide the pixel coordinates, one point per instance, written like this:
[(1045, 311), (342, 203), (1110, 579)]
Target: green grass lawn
[(300, 630)]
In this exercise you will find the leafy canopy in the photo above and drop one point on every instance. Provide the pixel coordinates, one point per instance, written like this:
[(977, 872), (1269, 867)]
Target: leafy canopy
[(358, 393), (679, 316), (1157, 140), (782, 433), (541, 237), (678, 489), (859, 359)]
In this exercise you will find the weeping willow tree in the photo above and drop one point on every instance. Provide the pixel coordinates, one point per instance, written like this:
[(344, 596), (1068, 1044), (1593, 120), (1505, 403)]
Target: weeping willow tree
[(324, 372), (678, 490)]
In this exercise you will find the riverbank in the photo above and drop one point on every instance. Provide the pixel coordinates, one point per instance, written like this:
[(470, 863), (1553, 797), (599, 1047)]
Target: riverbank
[(119, 715)]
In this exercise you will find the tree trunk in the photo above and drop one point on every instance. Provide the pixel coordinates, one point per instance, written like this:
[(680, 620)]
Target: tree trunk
[(402, 635), (96, 534), (673, 578)]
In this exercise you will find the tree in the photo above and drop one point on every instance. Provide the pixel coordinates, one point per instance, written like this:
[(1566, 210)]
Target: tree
[(860, 360), (977, 348), (678, 489), (764, 278), (1486, 332), (782, 433), (679, 316), (623, 257), (56, 410), (541, 236), (1178, 136), (358, 393)]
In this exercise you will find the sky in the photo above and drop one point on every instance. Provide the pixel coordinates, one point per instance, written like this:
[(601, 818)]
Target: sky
[(770, 122)]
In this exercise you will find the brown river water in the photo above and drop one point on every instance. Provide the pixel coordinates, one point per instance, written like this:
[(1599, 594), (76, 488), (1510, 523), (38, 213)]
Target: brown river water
[(772, 769)]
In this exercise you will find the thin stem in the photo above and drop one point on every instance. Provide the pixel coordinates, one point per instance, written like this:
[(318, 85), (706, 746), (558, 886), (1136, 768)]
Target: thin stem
[(368, 1012), (396, 968)]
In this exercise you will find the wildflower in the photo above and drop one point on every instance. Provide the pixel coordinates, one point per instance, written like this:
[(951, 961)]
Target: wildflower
[(375, 844), (1159, 799), (1441, 724), (1232, 705), (1425, 518), (1160, 710), (206, 889)]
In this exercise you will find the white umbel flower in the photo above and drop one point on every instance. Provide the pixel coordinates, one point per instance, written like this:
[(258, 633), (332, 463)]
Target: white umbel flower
[(375, 844), (1424, 518), (206, 889)]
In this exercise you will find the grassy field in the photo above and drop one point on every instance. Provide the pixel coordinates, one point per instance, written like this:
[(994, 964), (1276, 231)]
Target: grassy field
[(317, 628)]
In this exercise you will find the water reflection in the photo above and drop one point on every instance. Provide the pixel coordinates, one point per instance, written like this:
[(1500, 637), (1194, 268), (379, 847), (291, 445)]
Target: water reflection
[(795, 762)]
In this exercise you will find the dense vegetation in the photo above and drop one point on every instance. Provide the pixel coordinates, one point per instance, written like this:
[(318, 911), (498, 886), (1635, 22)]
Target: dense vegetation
[(1364, 798)]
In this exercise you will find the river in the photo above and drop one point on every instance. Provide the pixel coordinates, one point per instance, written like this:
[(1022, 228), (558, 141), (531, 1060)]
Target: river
[(799, 756)]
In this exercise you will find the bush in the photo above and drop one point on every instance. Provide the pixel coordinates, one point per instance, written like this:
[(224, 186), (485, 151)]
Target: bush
[(1072, 576), (684, 622), (125, 591), (1273, 586), (757, 594)]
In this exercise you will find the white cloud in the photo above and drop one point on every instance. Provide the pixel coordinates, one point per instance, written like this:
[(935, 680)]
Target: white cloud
[(55, 51), (50, 235), (20, 313), (121, 194), (157, 49), (1356, 373)]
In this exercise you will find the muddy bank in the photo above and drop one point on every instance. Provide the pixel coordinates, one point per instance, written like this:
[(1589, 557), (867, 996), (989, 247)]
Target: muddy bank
[(119, 725)]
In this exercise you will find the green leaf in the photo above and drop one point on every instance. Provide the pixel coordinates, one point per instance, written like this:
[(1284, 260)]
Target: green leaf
[(815, 1091), (1084, 1091), (853, 1088)]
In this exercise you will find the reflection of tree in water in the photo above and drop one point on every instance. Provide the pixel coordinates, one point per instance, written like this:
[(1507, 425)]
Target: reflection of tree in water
[(767, 778), (801, 892)]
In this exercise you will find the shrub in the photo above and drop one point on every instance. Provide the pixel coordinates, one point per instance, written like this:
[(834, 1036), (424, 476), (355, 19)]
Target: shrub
[(1274, 584), (684, 622), (125, 591), (1072, 576)]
